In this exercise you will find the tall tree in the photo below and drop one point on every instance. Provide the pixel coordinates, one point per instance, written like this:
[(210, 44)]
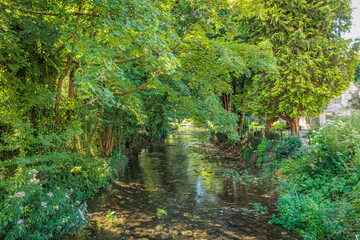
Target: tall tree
[(314, 61)]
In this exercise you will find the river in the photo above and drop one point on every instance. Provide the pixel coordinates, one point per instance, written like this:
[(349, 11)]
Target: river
[(183, 189)]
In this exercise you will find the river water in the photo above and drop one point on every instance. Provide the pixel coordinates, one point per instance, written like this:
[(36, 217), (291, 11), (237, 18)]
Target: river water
[(183, 189)]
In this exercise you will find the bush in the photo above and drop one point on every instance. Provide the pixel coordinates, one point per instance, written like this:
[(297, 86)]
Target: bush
[(315, 216), (281, 126), (28, 207), (288, 147), (264, 150), (221, 137), (273, 135), (320, 190), (254, 124), (248, 147), (44, 198)]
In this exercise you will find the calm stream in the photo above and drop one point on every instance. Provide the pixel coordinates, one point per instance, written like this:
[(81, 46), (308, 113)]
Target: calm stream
[(180, 190)]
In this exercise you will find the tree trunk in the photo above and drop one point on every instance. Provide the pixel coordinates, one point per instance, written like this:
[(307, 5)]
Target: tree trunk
[(269, 123), (71, 85), (58, 96), (226, 101), (241, 122), (294, 124), (108, 143)]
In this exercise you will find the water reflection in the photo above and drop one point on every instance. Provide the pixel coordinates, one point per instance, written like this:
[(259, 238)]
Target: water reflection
[(184, 177)]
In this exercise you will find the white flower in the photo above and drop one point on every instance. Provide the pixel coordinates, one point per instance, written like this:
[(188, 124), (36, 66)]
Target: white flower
[(21, 208), (81, 213), (34, 171), (34, 180), (43, 204), (66, 195), (50, 194), (20, 221), (71, 189), (58, 188), (57, 207), (20, 194)]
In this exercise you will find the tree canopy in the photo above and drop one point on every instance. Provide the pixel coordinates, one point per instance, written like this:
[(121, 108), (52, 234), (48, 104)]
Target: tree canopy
[(313, 61)]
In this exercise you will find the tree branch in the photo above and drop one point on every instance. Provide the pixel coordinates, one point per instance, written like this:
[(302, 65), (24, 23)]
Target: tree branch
[(157, 73), (48, 14), (186, 33)]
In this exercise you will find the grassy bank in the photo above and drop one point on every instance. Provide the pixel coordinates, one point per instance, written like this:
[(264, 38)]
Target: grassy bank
[(319, 184)]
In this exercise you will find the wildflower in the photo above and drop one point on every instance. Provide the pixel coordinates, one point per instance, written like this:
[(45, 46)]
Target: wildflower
[(43, 204), (66, 195), (34, 171), (20, 221), (34, 180), (78, 202), (50, 194), (58, 188), (81, 213), (71, 189), (21, 208), (20, 194), (56, 207), (312, 166)]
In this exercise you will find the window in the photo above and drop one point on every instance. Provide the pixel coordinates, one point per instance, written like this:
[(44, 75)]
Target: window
[(336, 100)]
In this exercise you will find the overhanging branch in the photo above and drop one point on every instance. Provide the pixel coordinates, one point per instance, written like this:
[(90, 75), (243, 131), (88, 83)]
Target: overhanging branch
[(157, 73), (47, 14)]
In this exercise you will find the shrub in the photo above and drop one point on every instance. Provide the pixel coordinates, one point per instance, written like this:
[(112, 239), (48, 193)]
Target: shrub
[(264, 151), (28, 207), (288, 147), (315, 216), (320, 190), (273, 135), (221, 137), (254, 124), (281, 126), (44, 198)]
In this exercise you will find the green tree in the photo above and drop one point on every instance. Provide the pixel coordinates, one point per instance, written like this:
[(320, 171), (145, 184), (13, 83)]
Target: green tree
[(314, 62)]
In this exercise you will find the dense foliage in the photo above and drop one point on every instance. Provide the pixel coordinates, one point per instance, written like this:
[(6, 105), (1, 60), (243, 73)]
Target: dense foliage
[(314, 62), (83, 81), (318, 184), (320, 191)]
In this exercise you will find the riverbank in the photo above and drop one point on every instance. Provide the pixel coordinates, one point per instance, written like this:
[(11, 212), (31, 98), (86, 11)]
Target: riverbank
[(318, 185)]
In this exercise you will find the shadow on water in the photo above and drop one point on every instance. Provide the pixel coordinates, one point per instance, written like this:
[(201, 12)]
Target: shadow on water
[(177, 190)]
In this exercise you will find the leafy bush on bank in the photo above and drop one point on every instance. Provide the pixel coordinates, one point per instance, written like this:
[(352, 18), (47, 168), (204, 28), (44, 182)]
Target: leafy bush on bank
[(320, 190), (45, 197)]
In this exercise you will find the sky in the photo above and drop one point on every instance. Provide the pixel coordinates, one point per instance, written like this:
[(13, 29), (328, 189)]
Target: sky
[(355, 29)]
